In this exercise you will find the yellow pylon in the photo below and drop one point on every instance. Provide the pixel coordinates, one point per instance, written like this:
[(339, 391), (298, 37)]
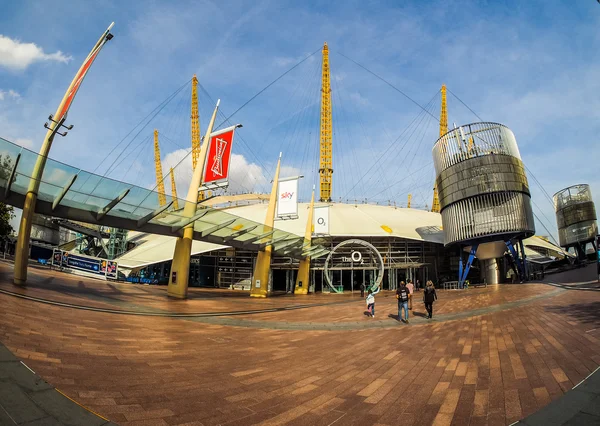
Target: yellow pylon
[(435, 205), (174, 191), (325, 163), (160, 185)]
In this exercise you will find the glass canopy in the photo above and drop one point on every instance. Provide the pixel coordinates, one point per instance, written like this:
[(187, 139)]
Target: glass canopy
[(71, 193)]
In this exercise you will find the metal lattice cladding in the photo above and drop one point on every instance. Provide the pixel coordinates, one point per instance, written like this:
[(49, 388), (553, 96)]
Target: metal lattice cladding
[(174, 191), (160, 185), (483, 190), (575, 215), (435, 205), (325, 163), (195, 116)]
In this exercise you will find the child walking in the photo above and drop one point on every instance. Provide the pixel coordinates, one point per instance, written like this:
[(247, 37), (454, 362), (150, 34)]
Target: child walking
[(371, 302)]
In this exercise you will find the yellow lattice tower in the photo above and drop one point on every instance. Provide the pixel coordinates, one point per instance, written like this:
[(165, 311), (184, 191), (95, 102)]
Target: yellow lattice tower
[(409, 200), (435, 205), (195, 123), (160, 185), (174, 191), (325, 163)]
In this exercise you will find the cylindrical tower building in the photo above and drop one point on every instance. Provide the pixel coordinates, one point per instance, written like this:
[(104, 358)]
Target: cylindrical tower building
[(483, 191), (575, 217)]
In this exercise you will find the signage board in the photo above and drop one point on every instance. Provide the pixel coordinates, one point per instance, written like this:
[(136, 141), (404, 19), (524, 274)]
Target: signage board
[(218, 159), (89, 264), (321, 220), (287, 199)]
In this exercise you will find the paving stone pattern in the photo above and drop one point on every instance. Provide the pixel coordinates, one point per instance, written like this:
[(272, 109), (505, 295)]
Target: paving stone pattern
[(501, 354)]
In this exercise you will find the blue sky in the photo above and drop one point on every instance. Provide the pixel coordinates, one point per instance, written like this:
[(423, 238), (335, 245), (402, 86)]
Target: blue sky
[(533, 66)]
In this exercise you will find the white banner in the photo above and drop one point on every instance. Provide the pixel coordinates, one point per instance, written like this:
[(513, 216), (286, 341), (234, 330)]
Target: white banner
[(287, 199), (321, 220)]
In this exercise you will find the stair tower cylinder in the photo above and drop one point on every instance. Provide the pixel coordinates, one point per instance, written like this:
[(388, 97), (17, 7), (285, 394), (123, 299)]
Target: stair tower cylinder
[(160, 185), (195, 116), (575, 217), (435, 204), (484, 194), (325, 162), (174, 191)]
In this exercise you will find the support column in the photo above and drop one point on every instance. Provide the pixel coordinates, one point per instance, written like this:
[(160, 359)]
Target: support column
[(260, 278), (302, 281), (180, 269)]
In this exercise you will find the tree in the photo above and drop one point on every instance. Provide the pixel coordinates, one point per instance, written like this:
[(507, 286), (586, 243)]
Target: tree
[(7, 213)]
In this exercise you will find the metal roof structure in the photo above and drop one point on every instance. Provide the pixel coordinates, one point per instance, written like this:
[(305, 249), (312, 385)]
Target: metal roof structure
[(71, 193), (346, 220)]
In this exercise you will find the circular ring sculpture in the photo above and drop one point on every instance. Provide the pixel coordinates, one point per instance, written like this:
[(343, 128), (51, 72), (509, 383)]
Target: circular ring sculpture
[(355, 257), (575, 215), (482, 186)]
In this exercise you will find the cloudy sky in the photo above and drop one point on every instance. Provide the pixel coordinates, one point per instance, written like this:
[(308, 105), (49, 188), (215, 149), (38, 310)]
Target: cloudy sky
[(533, 66)]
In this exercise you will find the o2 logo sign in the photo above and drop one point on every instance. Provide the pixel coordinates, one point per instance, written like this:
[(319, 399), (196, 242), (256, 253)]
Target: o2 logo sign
[(355, 257), (359, 250)]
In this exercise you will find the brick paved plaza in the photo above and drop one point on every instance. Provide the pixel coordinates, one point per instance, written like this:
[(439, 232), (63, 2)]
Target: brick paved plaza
[(491, 356)]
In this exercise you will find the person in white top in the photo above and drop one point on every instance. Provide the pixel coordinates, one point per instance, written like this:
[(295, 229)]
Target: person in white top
[(371, 302), (410, 288)]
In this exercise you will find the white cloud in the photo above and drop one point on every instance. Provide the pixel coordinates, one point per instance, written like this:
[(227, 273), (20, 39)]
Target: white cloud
[(282, 61), (9, 94), (358, 99), (16, 55), (25, 143), (243, 176)]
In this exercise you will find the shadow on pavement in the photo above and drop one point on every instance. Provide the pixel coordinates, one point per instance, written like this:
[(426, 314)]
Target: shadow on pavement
[(584, 312)]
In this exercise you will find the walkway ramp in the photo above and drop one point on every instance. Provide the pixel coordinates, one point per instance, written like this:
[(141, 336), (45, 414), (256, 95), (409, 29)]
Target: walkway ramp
[(79, 196)]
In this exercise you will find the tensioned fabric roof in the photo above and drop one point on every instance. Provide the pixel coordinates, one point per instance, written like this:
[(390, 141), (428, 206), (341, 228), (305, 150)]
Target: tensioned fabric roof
[(71, 193), (346, 220)]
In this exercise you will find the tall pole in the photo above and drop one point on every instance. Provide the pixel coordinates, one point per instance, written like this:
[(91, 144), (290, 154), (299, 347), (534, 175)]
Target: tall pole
[(260, 278), (56, 122), (160, 182), (178, 280), (435, 205), (325, 162), (302, 280)]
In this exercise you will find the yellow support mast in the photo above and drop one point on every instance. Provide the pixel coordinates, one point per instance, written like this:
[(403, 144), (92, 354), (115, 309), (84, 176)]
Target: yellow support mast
[(435, 205), (174, 191), (195, 116), (160, 185), (325, 164), (195, 123), (409, 200)]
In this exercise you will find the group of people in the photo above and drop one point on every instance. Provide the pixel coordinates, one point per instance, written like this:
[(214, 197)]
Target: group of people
[(404, 295)]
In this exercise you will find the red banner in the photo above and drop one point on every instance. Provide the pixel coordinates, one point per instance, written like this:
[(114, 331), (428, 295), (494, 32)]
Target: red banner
[(216, 169), (82, 72)]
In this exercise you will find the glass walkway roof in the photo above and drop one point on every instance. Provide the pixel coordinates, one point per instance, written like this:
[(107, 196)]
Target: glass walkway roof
[(71, 193)]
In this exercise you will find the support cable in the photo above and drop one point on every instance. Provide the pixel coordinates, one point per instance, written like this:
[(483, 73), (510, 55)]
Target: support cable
[(383, 154), (391, 85), (267, 86), (151, 116)]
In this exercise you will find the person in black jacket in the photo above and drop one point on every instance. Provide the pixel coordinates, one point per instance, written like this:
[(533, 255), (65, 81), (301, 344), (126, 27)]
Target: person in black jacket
[(429, 295)]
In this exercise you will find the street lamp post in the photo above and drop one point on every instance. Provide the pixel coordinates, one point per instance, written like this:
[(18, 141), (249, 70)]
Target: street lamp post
[(56, 123)]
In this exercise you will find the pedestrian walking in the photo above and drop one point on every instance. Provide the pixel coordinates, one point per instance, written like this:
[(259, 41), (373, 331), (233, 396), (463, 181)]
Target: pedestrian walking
[(410, 286), (362, 290), (403, 296), (418, 285), (429, 296), (371, 302)]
